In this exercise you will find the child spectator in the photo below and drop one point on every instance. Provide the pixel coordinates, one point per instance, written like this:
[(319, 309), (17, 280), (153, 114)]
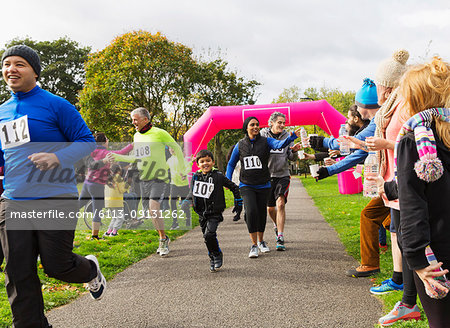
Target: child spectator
[(208, 201), (114, 191), (179, 187)]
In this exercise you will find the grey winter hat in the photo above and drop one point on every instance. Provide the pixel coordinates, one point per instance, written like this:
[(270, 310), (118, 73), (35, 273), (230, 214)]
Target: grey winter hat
[(26, 53)]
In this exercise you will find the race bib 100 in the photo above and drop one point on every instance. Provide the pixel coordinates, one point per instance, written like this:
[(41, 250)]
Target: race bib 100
[(203, 189), (252, 163), (15, 133)]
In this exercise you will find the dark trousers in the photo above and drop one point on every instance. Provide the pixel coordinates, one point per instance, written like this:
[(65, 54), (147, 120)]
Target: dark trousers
[(175, 194), (409, 288), (209, 228), (21, 249), (255, 204), (437, 311), (95, 192)]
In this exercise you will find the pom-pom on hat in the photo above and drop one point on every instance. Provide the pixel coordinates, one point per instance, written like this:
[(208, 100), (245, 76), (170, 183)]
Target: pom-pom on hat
[(366, 97), (26, 53), (429, 167), (391, 70)]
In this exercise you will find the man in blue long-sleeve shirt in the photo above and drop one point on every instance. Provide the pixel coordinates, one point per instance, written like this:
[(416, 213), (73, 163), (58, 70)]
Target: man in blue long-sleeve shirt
[(42, 136)]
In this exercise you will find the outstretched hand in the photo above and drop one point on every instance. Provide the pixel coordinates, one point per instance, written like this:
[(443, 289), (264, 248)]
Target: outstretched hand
[(380, 183), (322, 173), (359, 144), (297, 146), (427, 274)]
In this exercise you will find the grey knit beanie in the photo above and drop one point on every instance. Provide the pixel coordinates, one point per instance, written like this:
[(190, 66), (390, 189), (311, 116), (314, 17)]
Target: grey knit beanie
[(26, 53), (391, 70)]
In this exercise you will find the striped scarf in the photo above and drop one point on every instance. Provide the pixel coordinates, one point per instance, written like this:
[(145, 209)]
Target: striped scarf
[(429, 167), (382, 119)]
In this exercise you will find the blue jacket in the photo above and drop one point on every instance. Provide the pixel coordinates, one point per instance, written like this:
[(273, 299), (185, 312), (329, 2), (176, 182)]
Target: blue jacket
[(54, 126), (369, 131), (272, 143), (354, 158)]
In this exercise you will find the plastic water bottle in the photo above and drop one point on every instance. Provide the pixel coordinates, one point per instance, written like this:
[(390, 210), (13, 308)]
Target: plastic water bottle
[(304, 137), (344, 145), (370, 170)]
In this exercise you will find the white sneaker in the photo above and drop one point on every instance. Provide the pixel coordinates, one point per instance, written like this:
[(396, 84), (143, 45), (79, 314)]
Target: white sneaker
[(163, 246), (96, 286), (253, 251), (262, 245)]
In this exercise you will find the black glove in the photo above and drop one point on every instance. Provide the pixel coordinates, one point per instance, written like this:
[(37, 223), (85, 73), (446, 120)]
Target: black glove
[(316, 142), (237, 209), (185, 206), (323, 173)]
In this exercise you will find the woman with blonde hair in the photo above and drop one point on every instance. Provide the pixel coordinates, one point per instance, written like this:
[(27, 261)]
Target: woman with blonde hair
[(422, 172)]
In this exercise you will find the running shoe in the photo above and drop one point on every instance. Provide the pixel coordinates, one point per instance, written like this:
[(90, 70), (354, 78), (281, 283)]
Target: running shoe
[(280, 244), (164, 246), (106, 234), (363, 271), (383, 248), (218, 261), (262, 245), (212, 267), (253, 252), (400, 312), (386, 286), (174, 226), (96, 286)]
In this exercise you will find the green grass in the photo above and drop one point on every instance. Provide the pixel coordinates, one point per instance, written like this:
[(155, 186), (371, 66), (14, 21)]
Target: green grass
[(342, 212), (114, 254)]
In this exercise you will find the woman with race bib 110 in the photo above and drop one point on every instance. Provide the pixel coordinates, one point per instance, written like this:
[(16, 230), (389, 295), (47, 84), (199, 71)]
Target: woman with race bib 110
[(253, 153)]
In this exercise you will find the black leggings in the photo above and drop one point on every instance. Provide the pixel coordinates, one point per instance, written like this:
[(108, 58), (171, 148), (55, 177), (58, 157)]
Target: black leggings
[(255, 203), (437, 311), (409, 288)]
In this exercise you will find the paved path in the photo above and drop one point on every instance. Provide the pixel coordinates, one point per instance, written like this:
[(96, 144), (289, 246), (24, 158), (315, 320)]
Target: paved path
[(305, 286)]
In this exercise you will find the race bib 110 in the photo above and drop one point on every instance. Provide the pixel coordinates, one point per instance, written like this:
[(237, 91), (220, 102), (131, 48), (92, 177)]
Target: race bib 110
[(252, 163)]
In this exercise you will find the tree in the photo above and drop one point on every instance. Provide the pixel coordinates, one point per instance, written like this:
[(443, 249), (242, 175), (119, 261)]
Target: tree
[(289, 95), (340, 100), (138, 69), (62, 64), (218, 86)]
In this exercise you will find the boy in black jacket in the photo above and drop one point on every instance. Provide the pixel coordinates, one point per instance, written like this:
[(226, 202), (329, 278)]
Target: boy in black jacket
[(208, 201)]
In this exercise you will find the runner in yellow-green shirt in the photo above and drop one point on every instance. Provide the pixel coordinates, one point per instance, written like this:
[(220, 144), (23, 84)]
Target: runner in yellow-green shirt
[(149, 153)]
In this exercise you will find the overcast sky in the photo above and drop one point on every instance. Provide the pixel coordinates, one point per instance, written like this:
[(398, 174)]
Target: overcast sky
[(279, 43)]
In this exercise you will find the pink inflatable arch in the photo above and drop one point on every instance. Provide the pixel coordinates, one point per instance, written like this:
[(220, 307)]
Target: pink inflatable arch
[(319, 113)]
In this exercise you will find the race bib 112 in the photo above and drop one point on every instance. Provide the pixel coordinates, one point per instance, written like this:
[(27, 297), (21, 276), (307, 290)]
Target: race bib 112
[(15, 133)]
